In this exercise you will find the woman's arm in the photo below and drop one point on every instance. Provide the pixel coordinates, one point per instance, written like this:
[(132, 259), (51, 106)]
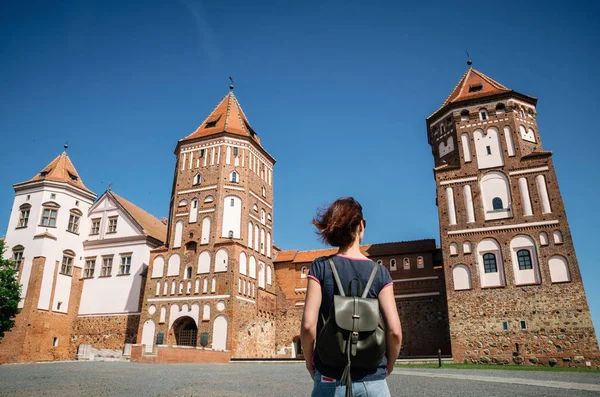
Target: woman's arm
[(308, 330), (393, 339)]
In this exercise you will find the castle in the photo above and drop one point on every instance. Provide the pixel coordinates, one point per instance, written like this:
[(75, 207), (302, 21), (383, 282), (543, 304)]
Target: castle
[(208, 285)]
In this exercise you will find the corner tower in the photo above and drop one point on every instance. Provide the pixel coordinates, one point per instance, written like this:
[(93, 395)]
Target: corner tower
[(514, 288), (212, 285)]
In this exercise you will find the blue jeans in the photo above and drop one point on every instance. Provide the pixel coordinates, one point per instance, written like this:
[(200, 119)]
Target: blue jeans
[(373, 388)]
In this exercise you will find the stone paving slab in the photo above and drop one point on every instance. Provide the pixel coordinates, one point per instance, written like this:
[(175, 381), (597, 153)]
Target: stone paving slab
[(270, 379)]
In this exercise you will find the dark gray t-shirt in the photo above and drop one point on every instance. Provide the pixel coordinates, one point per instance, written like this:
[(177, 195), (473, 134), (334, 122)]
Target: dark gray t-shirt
[(347, 268)]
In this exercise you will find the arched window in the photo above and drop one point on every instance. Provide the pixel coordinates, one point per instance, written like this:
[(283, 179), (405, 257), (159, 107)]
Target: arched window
[(543, 238), (558, 237), (262, 216), (252, 267), (188, 273), (264, 192), (261, 275), (158, 268), (204, 239), (464, 115), (197, 286), (197, 179), (269, 276), (467, 247), (221, 260), (256, 240), (466, 145), (213, 287), (420, 263), (392, 264), (522, 113), (243, 263), (206, 312), (559, 269), (406, 263), (173, 268), (163, 315), (250, 231), (262, 241), (178, 234), (495, 195), (232, 217), (453, 249), (209, 199), (173, 287), (497, 203), (181, 288), (24, 211), (543, 193), (268, 244), (234, 177), (524, 258), (489, 263), (194, 211), (204, 262), (303, 272), (510, 145), (461, 276), (205, 285), (157, 292)]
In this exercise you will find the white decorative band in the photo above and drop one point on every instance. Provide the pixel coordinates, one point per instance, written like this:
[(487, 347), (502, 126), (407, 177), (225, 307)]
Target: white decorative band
[(235, 188), (260, 199), (300, 289), (188, 298), (182, 214), (206, 211), (109, 314), (504, 227), (415, 279), (245, 299), (529, 171), (299, 303), (469, 179), (201, 189), (417, 295)]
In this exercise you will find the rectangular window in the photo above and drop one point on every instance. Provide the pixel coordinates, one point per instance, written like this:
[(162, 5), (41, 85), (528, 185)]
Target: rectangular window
[(201, 153), (125, 265), (235, 151), (112, 225), (53, 196), (505, 325), (67, 265), (95, 229), (483, 115), (24, 217), (106, 266), (55, 342), (232, 202), (73, 224), (523, 324), (88, 270), (18, 259), (489, 150), (49, 217)]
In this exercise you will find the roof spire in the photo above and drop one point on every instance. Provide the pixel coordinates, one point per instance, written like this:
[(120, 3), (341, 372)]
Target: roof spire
[(469, 62), (231, 85)]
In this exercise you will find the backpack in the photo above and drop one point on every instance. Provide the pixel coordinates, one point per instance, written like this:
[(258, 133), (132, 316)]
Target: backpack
[(354, 335)]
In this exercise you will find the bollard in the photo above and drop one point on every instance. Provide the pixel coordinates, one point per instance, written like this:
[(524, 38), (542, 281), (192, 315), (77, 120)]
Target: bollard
[(439, 358)]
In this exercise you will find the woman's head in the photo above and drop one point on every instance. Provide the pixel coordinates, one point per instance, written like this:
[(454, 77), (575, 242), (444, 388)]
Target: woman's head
[(339, 224)]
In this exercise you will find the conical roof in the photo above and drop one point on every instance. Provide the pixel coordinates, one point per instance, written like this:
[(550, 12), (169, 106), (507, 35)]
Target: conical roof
[(229, 117), (473, 84), (61, 169)]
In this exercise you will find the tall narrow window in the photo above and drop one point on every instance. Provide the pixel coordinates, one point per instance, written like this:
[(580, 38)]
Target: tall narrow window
[(125, 266), (112, 224), (524, 258), (107, 262), (66, 267), (24, 212), (406, 263), (95, 229), (90, 265), (483, 114), (49, 217), (489, 263), (234, 177), (18, 257), (235, 151), (74, 218), (392, 264), (197, 179), (420, 263)]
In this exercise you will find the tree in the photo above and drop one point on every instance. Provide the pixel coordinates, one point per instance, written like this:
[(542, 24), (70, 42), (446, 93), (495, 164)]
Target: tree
[(10, 292)]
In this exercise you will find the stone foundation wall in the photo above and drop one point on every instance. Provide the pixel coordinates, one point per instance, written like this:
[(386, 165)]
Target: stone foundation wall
[(105, 332), (178, 355)]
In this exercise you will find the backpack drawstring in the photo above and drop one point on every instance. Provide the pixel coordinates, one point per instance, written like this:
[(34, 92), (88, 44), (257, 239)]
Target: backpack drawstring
[(346, 376)]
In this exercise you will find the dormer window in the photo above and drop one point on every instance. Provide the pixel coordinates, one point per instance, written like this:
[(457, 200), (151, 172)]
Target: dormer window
[(73, 177), (483, 115), (475, 87), (44, 173), (197, 179)]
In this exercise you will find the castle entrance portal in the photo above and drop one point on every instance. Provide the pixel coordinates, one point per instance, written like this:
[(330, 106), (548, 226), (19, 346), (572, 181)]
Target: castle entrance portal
[(186, 331)]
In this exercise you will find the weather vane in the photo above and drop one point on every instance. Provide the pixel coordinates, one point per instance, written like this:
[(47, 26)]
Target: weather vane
[(231, 85), (469, 62), (110, 186), (66, 146)]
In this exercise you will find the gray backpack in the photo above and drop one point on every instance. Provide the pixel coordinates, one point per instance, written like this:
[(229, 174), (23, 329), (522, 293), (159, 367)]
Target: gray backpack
[(354, 335)]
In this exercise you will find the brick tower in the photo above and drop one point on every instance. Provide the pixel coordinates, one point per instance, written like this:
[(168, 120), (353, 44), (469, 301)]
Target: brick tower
[(213, 286), (515, 293)]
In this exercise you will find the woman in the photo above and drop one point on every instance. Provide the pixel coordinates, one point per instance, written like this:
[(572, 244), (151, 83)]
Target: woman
[(342, 225)]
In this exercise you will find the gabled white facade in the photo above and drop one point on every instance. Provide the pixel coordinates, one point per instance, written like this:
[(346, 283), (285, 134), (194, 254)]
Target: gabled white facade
[(126, 247)]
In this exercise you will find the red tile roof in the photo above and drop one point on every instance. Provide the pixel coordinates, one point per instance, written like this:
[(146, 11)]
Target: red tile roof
[(473, 78), (370, 250), (152, 226), (61, 170), (229, 117)]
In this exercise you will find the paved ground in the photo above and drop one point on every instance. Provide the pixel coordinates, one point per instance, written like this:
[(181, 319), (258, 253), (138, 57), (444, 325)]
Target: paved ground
[(130, 379)]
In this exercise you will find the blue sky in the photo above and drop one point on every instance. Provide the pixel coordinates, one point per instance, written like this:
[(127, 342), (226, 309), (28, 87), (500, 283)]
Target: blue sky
[(338, 92)]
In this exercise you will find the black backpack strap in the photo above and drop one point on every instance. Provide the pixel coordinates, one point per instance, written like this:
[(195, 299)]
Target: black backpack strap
[(336, 277), (370, 282)]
